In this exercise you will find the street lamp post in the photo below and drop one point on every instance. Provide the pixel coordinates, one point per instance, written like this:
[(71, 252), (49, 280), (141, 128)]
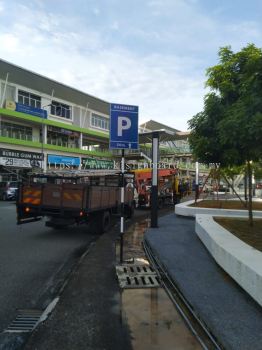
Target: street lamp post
[(155, 136), (43, 136)]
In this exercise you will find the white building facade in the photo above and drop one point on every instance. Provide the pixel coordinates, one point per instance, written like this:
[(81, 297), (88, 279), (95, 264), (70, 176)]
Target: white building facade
[(48, 125)]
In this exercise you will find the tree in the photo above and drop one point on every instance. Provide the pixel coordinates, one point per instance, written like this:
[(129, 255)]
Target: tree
[(229, 129)]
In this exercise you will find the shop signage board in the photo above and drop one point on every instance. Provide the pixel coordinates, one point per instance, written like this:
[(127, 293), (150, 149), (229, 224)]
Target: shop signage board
[(123, 126), (92, 163), (38, 112), (57, 159), (20, 159), (19, 107)]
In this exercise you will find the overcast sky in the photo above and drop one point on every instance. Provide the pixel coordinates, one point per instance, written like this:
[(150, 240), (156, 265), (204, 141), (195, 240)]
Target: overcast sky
[(150, 53)]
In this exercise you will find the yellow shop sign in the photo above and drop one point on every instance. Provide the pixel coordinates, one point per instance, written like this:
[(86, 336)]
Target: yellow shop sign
[(10, 105)]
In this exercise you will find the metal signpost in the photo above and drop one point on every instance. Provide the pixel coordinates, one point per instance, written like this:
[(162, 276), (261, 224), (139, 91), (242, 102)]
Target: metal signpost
[(154, 187), (123, 135), (197, 182)]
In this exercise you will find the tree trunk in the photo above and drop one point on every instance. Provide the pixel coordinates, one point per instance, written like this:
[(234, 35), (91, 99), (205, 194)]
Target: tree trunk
[(234, 191), (249, 174), (245, 184)]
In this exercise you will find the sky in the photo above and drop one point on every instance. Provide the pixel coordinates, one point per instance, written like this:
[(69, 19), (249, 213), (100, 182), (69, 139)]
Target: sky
[(149, 53)]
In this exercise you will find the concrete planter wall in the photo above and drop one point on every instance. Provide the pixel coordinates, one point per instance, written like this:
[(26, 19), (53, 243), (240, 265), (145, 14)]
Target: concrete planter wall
[(184, 210), (242, 262)]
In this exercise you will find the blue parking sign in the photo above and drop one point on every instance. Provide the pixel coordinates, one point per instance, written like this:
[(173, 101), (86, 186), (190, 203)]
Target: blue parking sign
[(123, 126)]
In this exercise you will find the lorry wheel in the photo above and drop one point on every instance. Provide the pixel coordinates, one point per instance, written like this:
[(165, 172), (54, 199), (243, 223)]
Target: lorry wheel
[(94, 224), (98, 225), (106, 221)]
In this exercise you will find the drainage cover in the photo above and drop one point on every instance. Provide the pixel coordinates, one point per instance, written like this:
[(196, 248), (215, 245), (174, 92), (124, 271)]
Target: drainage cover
[(26, 321), (137, 276)]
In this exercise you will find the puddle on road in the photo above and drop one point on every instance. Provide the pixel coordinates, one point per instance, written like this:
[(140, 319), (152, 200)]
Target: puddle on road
[(153, 320), (133, 239)]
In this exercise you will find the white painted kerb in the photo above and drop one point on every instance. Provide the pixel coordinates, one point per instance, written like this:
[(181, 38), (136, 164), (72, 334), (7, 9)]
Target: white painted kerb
[(242, 262), (184, 210)]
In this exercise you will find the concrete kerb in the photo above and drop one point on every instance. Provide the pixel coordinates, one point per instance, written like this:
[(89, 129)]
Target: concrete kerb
[(184, 209), (242, 262)]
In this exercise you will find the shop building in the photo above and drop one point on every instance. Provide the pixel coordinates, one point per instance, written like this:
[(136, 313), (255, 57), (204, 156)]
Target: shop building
[(45, 124)]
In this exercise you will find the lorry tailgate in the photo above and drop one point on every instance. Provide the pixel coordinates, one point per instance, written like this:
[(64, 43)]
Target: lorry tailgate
[(30, 194), (102, 197), (63, 196)]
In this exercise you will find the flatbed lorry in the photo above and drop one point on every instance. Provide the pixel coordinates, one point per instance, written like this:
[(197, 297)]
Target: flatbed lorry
[(69, 198)]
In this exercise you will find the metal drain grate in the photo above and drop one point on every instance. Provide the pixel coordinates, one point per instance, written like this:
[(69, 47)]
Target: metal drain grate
[(137, 276), (26, 321)]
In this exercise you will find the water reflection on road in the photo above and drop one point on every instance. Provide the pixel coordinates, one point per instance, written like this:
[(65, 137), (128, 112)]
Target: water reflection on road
[(153, 321)]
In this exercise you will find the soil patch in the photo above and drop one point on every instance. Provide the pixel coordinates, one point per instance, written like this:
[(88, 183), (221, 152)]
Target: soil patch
[(239, 227), (225, 204), (252, 235)]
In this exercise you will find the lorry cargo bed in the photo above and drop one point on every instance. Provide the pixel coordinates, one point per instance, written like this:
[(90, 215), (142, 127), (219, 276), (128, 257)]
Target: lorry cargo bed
[(69, 199)]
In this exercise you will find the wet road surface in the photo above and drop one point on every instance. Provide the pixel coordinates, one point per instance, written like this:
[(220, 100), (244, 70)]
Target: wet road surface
[(153, 320), (34, 261)]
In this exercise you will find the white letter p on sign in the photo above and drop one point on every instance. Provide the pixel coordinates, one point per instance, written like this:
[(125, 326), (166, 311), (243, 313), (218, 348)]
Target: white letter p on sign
[(124, 123)]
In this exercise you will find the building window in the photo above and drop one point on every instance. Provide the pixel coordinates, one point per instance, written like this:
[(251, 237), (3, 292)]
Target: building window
[(100, 122), (28, 99), (60, 110), (62, 137), (16, 131)]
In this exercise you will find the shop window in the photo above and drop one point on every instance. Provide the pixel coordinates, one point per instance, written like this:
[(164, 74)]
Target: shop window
[(9, 92), (16, 131), (28, 99), (100, 122), (60, 110), (62, 137)]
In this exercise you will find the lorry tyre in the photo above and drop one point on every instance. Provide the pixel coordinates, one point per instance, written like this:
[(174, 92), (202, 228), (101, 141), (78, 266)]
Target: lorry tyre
[(106, 221), (94, 225), (98, 224)]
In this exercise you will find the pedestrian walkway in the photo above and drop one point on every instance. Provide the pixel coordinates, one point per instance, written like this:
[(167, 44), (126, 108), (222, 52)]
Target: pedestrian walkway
[(232, 315), (87, 316)]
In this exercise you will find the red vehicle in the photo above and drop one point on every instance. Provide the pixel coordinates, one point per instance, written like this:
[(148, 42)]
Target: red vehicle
[(143, 182)]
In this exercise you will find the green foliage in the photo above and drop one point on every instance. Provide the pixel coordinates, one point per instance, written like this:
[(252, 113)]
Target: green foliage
[(231, 172), (258, 170), (229, 129), (204, 131)]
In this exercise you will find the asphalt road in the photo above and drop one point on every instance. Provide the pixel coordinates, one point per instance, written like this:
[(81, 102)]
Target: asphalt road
[(34, 262)]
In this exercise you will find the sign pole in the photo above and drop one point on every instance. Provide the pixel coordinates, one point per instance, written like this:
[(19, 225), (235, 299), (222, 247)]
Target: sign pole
[(123, 135), (197, 182), (154, 187), (122, 205)]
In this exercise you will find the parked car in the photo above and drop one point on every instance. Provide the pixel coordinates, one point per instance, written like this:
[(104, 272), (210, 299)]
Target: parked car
[(8, 190)]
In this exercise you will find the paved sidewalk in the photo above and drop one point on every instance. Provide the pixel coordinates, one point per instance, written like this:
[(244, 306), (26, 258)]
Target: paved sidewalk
[(232, 315), (88, 315)]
